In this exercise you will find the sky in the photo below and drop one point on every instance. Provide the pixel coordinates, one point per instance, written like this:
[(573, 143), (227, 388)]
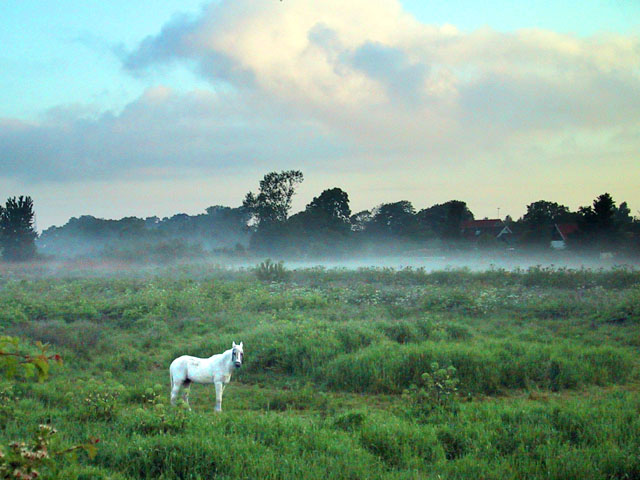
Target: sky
[(115, 109)]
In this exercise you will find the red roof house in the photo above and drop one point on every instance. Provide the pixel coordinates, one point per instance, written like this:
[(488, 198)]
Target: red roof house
[(473, 229), (561, 232)]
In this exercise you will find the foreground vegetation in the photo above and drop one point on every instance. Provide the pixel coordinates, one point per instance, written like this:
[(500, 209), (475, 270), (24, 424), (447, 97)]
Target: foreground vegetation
[(374, 373)]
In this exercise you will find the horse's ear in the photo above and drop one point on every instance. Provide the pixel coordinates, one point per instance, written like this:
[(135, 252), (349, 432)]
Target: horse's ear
[(240, 344), (234, 345)]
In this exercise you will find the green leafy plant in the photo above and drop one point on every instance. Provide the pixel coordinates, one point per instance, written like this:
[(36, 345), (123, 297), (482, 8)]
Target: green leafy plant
[(15, 362), (436, 391), (22, 460), (100, 404), (7, 399), (25, 460), (269, 271)]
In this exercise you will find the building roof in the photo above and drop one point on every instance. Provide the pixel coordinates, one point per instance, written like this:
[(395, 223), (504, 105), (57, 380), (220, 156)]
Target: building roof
[(475, 228), (566, 229), (482, 224)]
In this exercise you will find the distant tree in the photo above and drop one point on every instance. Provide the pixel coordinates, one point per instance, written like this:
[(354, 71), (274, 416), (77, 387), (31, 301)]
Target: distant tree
[(359, 221), (599, 223), (273, 201), (218, 229), (623, 214), (601, 216), (394, 219), (270, 209), (537, 224), (323, 227), (17, 230), (444, 220), (601, 213), (333, 202), (543, 213)]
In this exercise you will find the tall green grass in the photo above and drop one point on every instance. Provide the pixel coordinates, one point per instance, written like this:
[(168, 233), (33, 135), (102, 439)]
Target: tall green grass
[(546, 362), (483, 367)]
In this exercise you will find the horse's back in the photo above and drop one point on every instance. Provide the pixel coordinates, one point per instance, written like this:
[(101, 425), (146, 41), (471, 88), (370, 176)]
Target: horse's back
[(184, 361), (191, 368), (180, 365)]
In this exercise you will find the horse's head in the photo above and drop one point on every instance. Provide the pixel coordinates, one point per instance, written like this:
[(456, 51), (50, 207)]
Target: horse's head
[(237, 354)]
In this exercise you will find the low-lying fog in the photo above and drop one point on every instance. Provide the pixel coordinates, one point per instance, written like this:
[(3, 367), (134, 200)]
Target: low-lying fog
[(474, 261)]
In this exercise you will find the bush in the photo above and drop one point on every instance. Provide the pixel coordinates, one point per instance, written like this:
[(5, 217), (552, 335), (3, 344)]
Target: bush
[(269, 271), (101, 401), (437, 390)]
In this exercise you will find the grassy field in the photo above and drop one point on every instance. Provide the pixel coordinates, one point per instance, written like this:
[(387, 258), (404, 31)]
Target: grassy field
[(347, 373)]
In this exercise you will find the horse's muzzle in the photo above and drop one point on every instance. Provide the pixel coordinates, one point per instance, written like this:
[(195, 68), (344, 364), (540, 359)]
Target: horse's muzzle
[(238, 364)]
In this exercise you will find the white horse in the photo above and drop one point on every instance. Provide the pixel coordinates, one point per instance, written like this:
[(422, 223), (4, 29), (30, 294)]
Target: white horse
[(217, 369)]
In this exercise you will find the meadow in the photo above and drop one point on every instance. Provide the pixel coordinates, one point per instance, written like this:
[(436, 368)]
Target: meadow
[(372, 373)]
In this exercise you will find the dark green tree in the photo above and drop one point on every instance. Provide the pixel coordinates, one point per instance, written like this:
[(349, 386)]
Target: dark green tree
[(394, 219), (543, 213), (444, 220), (323, 228), (360, 221), (599, 223), (623, 215), (273, 201), (17, 230), (270, 209), (538, 223), (333, 203)]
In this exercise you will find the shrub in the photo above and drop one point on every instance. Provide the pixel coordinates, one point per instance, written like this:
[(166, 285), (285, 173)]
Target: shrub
[(401, 331), (24, 460), (269, 271), (101, 402), (12, 314), (625, 310), (8, 398), (437, 390)]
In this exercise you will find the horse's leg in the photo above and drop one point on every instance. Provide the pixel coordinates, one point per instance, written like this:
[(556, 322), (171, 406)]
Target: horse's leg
[(175, 391), (219, 388), (185, 393)]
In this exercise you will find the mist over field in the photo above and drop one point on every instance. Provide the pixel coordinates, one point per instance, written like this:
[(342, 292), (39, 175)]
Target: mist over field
[(327, 233)]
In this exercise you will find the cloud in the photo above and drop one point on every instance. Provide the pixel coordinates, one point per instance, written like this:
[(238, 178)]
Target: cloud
[(309, 81), (161, 133), (391, 67), (377, 71)]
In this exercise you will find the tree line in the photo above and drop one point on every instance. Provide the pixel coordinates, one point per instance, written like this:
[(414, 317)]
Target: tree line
[(327, 224), (325, 228)]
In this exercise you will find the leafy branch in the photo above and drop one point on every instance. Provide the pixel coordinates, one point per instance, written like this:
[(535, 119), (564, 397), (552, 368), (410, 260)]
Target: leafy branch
[(24, 460), (13, 362)]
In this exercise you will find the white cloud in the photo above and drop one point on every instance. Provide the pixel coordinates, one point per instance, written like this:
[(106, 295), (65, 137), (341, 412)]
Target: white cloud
[(162, 131), (377, 75)]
